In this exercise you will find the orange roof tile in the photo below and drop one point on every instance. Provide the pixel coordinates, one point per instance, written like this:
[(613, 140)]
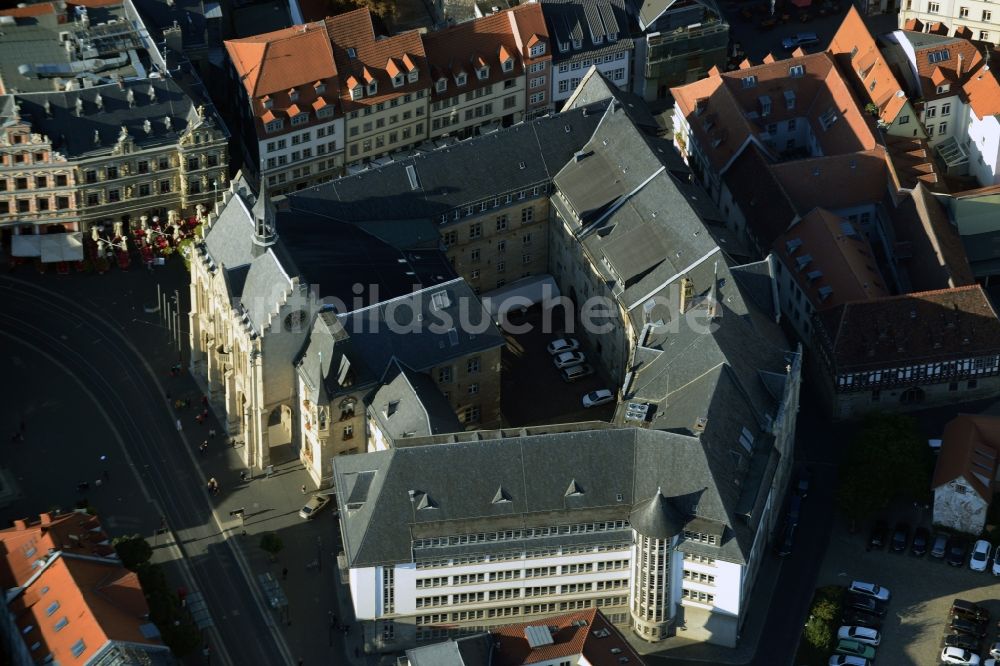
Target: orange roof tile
[(914, 25), (360, 55), (910, 161), (528, 25), (393, 67), (983, 92), (834, 182), (970, 446), (922, 327), (30, 10), (825, 252), (736, 107), (858, 56), (469, 43), (938, 28), (22, 545), (962, 58), (276, 61), (98, 602), (586, 633), (963, 32)]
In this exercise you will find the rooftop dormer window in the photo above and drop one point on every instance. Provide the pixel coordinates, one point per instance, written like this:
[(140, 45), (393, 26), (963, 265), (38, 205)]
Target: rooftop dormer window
[(577, 45), (795, 71), (397, 81), (749, 81), (441, 85), (268, 103), (537, 50), (460, 79), (373, 87), (563, 47), (412, 75), (351, 53), (301, 118), (319, 87), (357, 92), (483, 73), (612, 36), (507, 65), (293, 94), (943, 88), (598, 39)]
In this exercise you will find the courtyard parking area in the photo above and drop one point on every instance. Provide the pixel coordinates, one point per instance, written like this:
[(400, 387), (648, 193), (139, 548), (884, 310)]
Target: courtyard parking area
[(923, 589), (534, 392)]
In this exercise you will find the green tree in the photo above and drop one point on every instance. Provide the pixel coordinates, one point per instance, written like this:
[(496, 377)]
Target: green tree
[(889, 458), (818, 634), (271, 544), (132, 550)]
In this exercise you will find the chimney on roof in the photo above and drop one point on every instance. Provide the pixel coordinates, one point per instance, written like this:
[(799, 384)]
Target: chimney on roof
[(99, 102), (130, 98), (958, 67), (20, 524)]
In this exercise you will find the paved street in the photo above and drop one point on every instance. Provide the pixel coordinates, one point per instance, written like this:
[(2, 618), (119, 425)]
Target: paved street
[(88, 371)]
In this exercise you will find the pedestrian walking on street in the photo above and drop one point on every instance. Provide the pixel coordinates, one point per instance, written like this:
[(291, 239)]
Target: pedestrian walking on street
[(284, 573), (211, 433), (179, 426), (303, 489), (204, 401), (243, 476), (204, 447)]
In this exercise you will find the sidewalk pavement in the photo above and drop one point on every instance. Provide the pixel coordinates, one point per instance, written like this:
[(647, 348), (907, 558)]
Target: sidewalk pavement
[(318, 623)]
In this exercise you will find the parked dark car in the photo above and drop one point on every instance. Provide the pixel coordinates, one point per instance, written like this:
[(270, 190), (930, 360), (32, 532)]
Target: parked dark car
[(963, 641), (969, 610), (854, 618), (865, 604), (940, 546), (877, 538), (958, 551), (900, 538), (783, 547), (921, 539), (795, 510), (965, 626), (802, 484)]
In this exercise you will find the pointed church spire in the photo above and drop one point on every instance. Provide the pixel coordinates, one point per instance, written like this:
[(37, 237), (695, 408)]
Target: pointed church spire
[(265, 232)]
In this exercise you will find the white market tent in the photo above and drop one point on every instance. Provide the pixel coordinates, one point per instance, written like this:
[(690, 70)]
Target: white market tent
[(51, 248)]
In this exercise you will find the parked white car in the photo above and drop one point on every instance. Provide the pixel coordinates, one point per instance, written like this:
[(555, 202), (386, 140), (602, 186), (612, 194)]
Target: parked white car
[(860, 634), (980, 555), (569, 359), (598, 397), (870, 590), (848, 660), (954, 655), (563, 345)]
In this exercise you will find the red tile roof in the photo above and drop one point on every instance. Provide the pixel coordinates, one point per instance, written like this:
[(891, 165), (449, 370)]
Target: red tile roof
[(910, 161), (962, 58), (469, 45), (937, 258), (723, 126), (99, 601), (835, 182), (358, 52), (37, 9), (969, 449), (587, 633), (858, 56), (983, 92), (21, 546), (831, 260), (923, 327), (274, 62)]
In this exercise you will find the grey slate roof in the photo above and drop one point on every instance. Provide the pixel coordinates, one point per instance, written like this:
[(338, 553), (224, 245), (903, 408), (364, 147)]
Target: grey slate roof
[(583, 21), (474, 650), (229, 241), (409, 404), (329, 363), (657, 518), (74, 135), (490, 165), (757, 283), (192, 16), (648, 11), (265, 288), (535, 471), (418, 333)]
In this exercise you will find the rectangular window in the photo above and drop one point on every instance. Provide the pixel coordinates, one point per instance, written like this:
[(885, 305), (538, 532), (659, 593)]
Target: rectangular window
[(943, 128), (472, 366), (946, 109), (987, 15), (475, 231), (444, 375), (471, 414), (78, 648), (963, 12), (933, 8), (527, 215), (164, 187), (90, 176), (62, 203)]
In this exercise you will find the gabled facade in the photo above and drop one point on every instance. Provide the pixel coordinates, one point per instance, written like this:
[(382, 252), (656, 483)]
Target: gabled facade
[(533, 43), (908, 352), (289, 106), (959, 99), (965, 473), (679, 43), (478, 75), (588, 33), (385, 86), (974, 20)]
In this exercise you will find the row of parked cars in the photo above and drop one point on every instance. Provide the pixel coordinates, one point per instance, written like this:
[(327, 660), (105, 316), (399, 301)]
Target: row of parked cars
[(952, 549), (860, 632), (572, 365), (968, 625)]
